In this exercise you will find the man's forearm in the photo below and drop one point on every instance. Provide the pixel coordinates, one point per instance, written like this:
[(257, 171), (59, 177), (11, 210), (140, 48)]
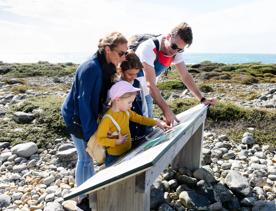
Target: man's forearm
[(190, 84)]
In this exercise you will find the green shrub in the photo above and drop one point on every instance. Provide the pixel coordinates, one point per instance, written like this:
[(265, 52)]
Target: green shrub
[(171, 84), (205, 88), (225, 112), (180, 105), (38, 69), (248, 80), (19, 89), (206, 76), (48, 124)]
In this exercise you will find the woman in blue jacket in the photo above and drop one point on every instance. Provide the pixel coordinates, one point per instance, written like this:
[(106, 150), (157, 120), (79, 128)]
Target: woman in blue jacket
[(85, 101)]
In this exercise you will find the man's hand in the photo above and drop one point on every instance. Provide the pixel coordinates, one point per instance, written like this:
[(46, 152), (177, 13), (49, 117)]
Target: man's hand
[(170, 117), (209, 102)]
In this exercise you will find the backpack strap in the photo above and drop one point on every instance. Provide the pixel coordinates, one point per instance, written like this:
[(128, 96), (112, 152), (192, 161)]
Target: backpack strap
[(114, 121), (127, 113), (156, 43)]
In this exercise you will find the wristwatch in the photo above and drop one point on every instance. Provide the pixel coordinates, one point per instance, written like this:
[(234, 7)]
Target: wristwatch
[(202, 99)]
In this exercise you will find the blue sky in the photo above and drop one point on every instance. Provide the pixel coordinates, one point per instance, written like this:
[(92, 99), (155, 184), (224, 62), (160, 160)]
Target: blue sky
[(219, 26)]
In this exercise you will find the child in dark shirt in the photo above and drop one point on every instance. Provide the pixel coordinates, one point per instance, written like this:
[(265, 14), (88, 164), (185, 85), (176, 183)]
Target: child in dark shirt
[(129, 69)]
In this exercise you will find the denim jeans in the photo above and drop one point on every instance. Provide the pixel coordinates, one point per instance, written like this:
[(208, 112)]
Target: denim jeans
[(84, 167), (149, 101), (110, 159)]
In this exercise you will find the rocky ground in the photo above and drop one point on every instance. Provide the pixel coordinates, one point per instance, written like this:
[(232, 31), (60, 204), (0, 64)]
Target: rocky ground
[(37, 172)]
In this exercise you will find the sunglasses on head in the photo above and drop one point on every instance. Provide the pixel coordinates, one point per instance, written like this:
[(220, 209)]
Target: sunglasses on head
[(175, 47)]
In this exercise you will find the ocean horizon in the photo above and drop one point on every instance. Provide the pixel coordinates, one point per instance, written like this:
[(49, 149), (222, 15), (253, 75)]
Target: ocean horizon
[(190, 58)]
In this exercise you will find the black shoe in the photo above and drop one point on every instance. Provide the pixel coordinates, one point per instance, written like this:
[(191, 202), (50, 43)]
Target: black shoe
[(84, 204)]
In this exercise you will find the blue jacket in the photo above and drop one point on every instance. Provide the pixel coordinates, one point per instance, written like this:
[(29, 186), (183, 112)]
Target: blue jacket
[(86, 87)]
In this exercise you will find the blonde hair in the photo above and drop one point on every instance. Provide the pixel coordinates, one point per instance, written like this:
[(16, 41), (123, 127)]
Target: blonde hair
[(124, 96), (128, 94), (112, 40)]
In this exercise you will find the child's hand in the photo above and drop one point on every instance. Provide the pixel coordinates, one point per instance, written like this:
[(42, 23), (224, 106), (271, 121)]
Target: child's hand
[(163, 125), (122, 139)]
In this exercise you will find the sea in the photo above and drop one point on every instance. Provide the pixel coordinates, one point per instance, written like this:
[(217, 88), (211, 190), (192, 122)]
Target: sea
[(190, 58)]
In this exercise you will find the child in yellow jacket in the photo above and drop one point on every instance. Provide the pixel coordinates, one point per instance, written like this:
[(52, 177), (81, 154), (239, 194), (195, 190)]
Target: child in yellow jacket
[(122, 95)]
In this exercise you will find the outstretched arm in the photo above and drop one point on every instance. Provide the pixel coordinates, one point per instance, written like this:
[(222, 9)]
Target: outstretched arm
[(150, 77), (188, 80)]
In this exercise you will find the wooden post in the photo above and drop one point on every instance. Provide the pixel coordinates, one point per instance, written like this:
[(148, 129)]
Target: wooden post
[(190, 154), (123, 196)]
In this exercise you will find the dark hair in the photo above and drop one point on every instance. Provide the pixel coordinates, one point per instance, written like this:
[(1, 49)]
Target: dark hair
[(184, 31), (112, 40), (132, 62)]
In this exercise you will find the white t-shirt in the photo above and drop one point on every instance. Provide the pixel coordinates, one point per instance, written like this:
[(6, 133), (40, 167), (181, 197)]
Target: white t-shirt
[(146, 52)]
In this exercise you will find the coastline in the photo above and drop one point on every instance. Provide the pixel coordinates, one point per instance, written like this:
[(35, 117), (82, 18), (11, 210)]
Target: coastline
[(190, 58)]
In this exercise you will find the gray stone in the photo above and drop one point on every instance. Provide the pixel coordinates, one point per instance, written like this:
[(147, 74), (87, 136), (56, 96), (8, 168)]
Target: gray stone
[(264, 206), (248, 201), (19, 168), (216, 153), (48, 180), (25, 150), (165, 207), (4, 156), (5, 200), (191, 199), (272, 177), (169, 174), (226, 166), (67, 155), (184, 179), (271, 170), (259, 154), (204, 173), (17, 196), (257, 166), (173, 184), (223, 138), (215, 207), (222, 193), (65, 147), (236, 182), (50, 197), (229, 155), (4, 145), (248, 139), (22, 117), (53, 206), (206, 156), (156, 198)]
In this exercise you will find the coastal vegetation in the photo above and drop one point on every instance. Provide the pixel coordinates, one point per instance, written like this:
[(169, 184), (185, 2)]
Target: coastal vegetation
[(220, 80)]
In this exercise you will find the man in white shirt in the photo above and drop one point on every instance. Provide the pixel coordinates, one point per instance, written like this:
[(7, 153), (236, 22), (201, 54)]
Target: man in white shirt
[(155, 61)]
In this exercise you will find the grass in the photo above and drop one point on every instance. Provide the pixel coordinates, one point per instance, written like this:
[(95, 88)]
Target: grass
[(171, 84), (48, 124), (233, 120), (229, 118), (36, 69)]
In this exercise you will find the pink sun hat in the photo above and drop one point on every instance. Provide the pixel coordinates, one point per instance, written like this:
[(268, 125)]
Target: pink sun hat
[(120, 88)]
